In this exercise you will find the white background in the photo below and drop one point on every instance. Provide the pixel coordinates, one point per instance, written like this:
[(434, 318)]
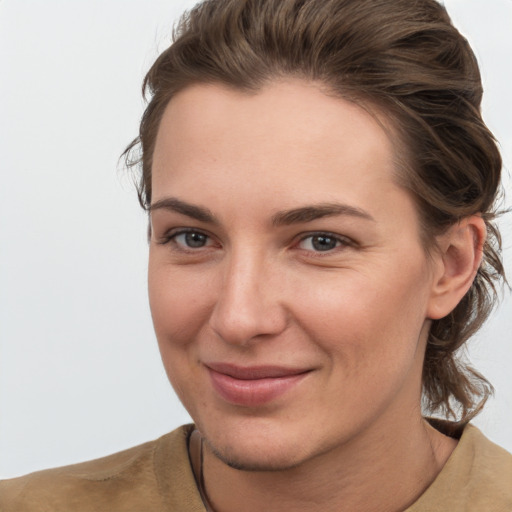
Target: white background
[(80, 374)]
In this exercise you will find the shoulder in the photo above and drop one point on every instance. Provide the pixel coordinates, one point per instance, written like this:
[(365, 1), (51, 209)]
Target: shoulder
[(142, 477), (491, 466), (491, 478), (477, 476)]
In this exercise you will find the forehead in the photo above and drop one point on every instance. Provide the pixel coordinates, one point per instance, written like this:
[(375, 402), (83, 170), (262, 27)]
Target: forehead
[(293, 129)]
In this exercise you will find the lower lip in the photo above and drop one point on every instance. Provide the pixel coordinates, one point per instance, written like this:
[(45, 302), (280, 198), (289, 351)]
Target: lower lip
[(254, 392)]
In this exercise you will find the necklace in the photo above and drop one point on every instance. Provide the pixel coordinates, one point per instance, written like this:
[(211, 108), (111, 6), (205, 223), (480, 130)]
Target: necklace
[(196, 454)]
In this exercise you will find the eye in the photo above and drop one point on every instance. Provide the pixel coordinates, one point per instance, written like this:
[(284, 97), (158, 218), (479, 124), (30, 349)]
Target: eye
[(187, 240), (322, 242), (191, 239)]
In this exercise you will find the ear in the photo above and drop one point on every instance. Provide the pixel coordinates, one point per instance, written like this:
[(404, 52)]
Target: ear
[(456, 264)]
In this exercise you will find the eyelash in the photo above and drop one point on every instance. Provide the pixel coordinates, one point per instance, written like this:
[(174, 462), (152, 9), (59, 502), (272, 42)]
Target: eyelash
[(170, 239), (341, 242)]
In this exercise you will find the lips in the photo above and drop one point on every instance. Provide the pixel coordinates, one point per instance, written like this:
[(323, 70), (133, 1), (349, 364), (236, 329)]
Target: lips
[(253, 386)]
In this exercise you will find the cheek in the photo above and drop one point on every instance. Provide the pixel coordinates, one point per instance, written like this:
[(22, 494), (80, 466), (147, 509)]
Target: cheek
[(177, 299), (368, 319), (176, 309)]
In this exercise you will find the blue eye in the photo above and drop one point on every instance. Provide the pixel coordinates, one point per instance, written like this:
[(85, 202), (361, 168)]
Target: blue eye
[(321, 242)]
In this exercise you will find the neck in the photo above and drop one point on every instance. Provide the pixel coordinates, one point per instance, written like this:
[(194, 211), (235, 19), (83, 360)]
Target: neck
[(375, 472)]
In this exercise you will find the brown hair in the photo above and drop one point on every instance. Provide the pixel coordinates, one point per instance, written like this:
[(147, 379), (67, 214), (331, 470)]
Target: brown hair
[(403, 57)]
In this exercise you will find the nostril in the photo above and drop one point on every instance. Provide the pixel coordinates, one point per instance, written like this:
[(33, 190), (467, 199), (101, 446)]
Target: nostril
[(241, 324), (248, 307)]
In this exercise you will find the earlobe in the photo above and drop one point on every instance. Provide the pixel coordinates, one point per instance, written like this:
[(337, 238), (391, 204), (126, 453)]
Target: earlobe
[(458, 260)]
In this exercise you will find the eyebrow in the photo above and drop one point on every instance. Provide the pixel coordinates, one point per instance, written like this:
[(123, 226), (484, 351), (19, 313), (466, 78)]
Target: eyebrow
[(176, 205), (282, 218), (317, 211)]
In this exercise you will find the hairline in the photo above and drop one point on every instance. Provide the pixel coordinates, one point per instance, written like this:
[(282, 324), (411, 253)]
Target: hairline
[(378, 110)]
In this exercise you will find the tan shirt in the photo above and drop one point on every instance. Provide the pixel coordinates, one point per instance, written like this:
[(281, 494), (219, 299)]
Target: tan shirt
[(157, 477)]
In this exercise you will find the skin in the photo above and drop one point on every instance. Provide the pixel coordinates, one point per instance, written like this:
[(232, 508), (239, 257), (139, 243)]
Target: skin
[(253, 286)]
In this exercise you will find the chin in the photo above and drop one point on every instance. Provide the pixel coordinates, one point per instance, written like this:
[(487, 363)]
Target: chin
[(252, 458), (257, 446)]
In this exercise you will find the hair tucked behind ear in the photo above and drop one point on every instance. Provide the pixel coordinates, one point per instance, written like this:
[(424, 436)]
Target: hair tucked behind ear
[(402, 57)]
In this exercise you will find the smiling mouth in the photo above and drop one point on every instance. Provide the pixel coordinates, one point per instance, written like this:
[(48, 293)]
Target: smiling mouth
[(253, 386)]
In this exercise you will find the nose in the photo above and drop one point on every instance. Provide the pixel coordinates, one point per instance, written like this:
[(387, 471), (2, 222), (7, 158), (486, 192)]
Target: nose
[(248, 306)]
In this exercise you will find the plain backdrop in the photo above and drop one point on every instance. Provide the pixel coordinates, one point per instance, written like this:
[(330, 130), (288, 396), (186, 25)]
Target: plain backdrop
[(80, 374)]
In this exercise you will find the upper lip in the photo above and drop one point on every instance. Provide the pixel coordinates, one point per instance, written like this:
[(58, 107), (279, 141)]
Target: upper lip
[(255, 372)]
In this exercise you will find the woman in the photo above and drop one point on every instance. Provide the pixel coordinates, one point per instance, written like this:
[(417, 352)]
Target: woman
[(321, 191)]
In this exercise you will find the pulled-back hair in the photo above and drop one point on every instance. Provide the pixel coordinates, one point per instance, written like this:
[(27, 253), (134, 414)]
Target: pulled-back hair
[(402, 58)]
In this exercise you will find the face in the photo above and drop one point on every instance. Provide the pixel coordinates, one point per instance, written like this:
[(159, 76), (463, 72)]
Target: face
[(288, 285)]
